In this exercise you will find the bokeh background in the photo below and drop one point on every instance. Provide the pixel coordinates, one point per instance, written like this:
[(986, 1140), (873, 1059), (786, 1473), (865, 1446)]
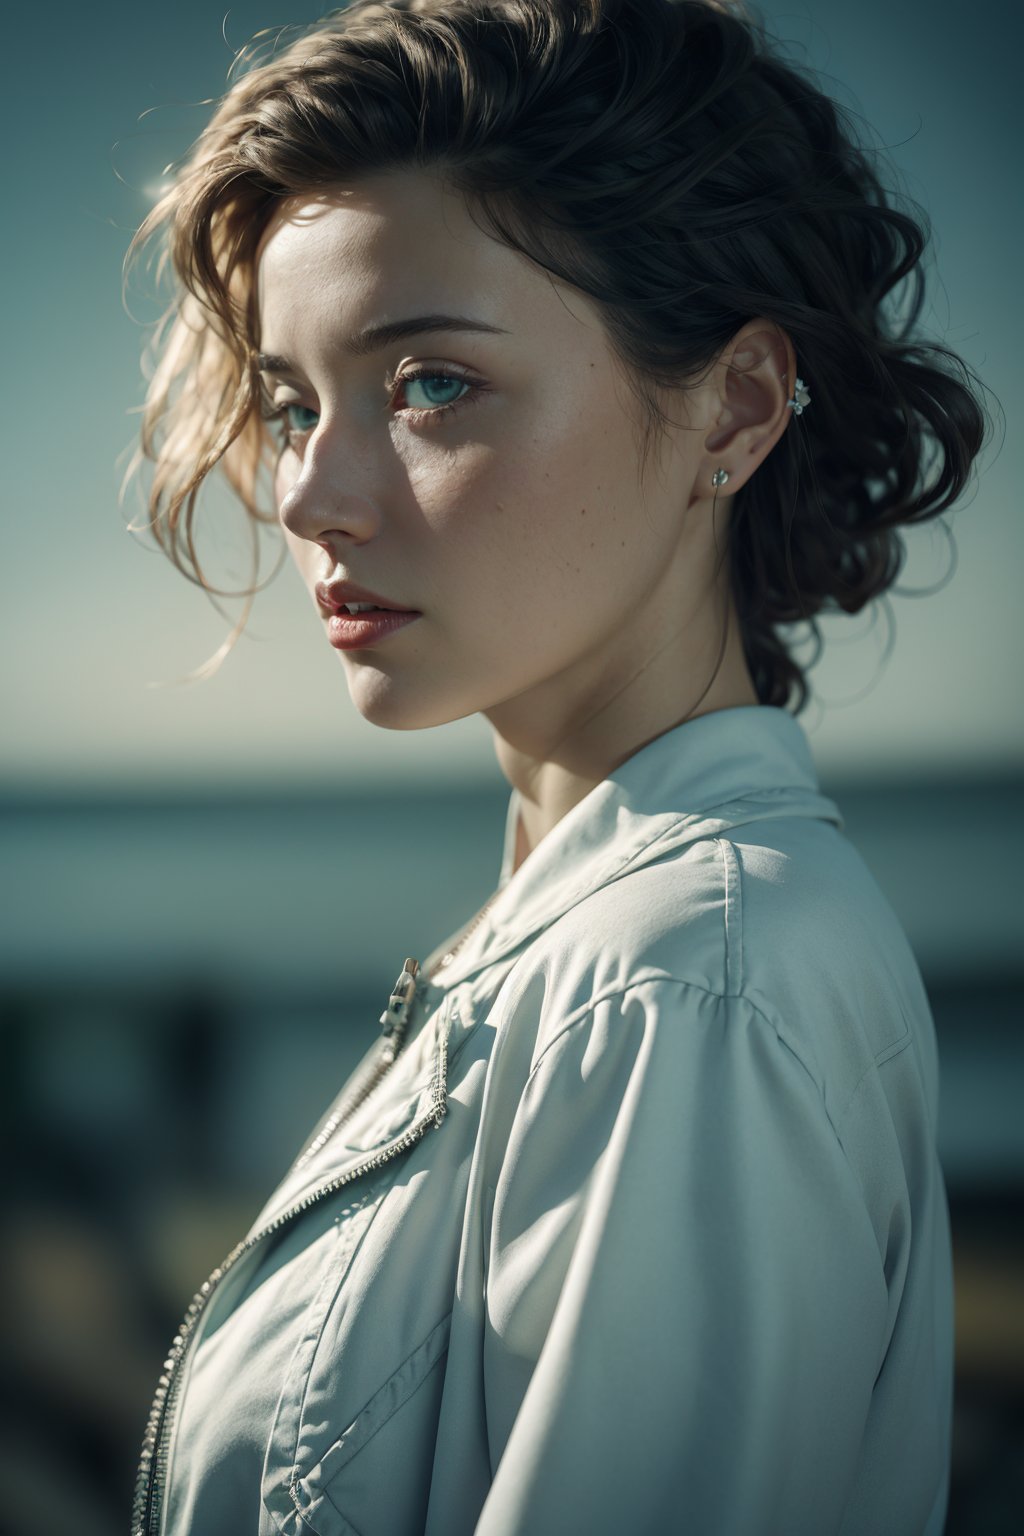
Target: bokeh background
[(182, 986)]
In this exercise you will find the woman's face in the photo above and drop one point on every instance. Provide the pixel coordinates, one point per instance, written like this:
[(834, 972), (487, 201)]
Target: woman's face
[(497, 492)]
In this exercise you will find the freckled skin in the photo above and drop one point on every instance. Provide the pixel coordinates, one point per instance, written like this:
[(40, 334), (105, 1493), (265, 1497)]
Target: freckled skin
[(576, 653)]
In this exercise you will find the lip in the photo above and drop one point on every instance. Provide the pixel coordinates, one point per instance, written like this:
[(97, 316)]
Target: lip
[(333, 595), (354, 631)]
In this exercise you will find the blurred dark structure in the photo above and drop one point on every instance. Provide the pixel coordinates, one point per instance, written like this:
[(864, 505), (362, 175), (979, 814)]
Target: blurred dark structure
[(185, 979)]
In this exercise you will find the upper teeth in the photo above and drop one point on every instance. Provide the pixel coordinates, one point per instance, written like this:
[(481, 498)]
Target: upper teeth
[(359, 607)]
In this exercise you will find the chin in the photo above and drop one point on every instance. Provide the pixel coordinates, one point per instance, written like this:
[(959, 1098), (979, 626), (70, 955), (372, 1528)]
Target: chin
[(394, 705)]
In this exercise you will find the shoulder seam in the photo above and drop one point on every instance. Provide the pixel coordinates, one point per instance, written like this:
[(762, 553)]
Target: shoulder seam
[(733, 917), (732, 902), (586, 1011)]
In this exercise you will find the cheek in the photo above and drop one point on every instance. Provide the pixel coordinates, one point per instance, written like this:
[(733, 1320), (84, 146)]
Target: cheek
[(564, 514), (486, 522), (526, 540)]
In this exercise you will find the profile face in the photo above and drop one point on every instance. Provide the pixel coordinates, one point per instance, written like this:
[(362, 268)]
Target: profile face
[(497, 494)]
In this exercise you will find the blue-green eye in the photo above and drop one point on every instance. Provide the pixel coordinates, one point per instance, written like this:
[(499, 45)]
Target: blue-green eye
[(294, 420), (436, 393), (299, 418), (436, 387)]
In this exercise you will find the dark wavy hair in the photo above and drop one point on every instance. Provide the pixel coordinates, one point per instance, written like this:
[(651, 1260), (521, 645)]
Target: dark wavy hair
[(663, 158)]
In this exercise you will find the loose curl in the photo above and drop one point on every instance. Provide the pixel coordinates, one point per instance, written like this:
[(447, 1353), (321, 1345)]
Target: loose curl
[(663, 159)]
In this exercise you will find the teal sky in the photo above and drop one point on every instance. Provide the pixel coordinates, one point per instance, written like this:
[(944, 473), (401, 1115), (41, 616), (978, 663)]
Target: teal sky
[(99, 100)]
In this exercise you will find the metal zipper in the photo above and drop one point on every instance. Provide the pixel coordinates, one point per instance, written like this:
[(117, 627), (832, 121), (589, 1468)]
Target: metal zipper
[(152, 1474), (394, 1023)]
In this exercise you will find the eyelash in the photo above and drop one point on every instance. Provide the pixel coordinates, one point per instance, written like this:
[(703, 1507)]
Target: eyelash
[(287, 435)]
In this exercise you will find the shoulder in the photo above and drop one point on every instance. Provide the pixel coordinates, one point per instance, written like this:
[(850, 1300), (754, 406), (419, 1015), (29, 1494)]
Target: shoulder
[(780, 927)]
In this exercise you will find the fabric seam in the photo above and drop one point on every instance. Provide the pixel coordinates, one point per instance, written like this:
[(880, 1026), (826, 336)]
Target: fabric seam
[(733, 917), (586, 1010)]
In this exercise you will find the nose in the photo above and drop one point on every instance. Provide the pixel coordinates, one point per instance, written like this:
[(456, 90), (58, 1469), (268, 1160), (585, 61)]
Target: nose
[(325, 497)]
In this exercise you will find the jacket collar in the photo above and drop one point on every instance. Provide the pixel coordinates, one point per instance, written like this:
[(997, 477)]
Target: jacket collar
[(734, 766)]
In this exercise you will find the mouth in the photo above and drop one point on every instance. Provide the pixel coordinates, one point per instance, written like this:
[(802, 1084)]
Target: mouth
[(353, 631), (335, 597), (365, 610)]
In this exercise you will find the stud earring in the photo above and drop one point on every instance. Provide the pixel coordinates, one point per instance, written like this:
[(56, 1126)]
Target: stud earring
[(719, 477)]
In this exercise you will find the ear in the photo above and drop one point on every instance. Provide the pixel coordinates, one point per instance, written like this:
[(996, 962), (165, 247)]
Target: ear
[(755, 377)]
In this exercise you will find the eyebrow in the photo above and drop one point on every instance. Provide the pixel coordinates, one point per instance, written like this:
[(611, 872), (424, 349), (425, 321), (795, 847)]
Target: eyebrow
[(375, 337)]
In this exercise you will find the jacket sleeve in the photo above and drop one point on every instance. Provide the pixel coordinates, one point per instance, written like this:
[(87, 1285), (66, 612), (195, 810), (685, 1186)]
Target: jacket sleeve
[(685, 1301)]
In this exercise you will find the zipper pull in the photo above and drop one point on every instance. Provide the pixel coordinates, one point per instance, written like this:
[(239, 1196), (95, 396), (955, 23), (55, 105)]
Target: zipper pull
[(394, 1020)]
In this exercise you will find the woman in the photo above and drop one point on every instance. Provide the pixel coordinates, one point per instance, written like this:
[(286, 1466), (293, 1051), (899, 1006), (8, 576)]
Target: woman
[(632, 1219)]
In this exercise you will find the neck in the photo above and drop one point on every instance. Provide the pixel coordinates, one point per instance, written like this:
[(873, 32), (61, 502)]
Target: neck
[(551, 780)]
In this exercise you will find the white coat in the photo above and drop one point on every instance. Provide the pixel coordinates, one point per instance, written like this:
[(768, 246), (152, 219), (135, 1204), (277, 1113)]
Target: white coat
[(644, 1231)]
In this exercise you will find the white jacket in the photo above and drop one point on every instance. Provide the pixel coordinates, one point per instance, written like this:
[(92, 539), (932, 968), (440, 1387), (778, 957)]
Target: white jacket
[(644, 1230)]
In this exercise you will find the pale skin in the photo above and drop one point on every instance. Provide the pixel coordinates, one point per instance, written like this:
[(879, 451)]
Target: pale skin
[(564, 594)]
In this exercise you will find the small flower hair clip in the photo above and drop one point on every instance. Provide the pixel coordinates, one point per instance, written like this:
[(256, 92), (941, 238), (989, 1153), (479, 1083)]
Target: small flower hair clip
[(801, 397)]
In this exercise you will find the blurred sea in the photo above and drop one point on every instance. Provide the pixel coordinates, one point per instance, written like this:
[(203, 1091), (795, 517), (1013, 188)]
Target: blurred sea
[(287, 917)]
